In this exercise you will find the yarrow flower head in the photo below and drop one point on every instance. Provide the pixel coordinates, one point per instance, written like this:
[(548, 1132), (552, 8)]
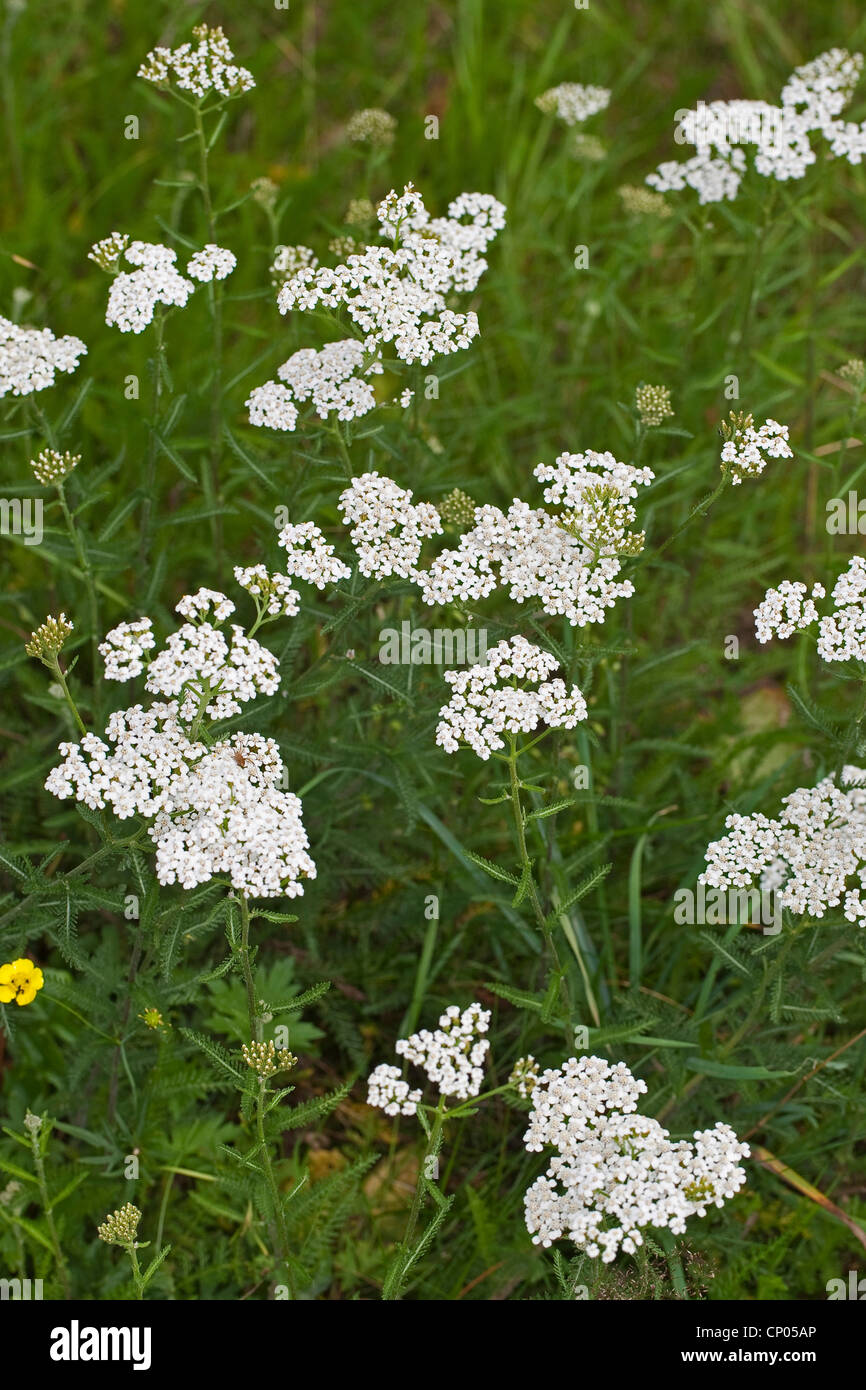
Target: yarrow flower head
[(309, 556), (372, 127), (457, 508), (778, 137), (524, 1076), (509, 693), (333, 380), (19, 980), (388, 528), (747, 449), (452, 1056), (121, 1227), (211, 263), (205, 68), (273, 592), (653, 404), (812, 855), (107, 253), (854, 370), (289, 260), (49, 639), (573, 102), (134, 295), (51, 467), (397, 294), (265, 1060), (570, 560), (616, 1172), (841, 630), (640, 202), (30, 358)]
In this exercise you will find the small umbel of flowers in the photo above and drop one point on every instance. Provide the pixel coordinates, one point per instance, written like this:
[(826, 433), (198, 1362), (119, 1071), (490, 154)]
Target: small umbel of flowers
[(121, 1227), (19, 981), (508, 694), (572, 102), (457, 508), (812, 855), (135, 294), (854, 370), (791, 608), (452, 1056), (30, 358), (616, 1172), (388, 528), (653, 405), (50, 467), (746, 449), (266, 1060), (49, 640), (372, 126), (524, 1076), (206, 68)]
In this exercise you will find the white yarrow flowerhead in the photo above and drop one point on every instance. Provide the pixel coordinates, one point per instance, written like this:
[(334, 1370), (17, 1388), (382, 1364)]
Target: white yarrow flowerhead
[(778, 137), (812, 855), (51, 467), (616, 1172), (397, 295), (333, 380), (372, 126), (452, 1056), (388, 528), (570, 560), (214, 808), (134, 295), (510, 693), (841, 630), (211, 263), (309, 556), (573, 102), (205, 68), (747, 449), (30, 358), (273, 592)]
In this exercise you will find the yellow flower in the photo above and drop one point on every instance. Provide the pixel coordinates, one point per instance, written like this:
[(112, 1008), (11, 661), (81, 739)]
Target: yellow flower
[(20, 981)]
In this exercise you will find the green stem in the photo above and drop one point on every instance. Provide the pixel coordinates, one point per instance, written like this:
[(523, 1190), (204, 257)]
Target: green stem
[(49, 1214), (279, 1217), (252, 1006)]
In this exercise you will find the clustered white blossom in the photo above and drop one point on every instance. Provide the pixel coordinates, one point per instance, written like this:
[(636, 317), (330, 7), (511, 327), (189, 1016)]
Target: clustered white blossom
[(813, 855), (452, 1055), (49, 466), (398, 294), (211, 263), (841, 632), (332, 379), (31, 357), (746, 454), (389, 1092), (288, 260), (372, 126), (309, 556), (213, 808), (388, 529), (570, 562), (203, 68), (134, 294), (273, 592), (509, 693), (573, 102), (616, 1172), (779, 135)]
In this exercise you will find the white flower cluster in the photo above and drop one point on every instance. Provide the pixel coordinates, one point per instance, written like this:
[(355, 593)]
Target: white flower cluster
[(389, 1092), (490, 699), (397, 294), (616, 1172), (813, 855), (273, 592), (570, 562), (746, 455), (203, 68), (214, 808), (573, 102), (288, 260), (134, 294), (841, 632), (452, 1056), (388, 529), (721, 131), (332, 379), (309, 556), (30, 358), (211, 263)]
